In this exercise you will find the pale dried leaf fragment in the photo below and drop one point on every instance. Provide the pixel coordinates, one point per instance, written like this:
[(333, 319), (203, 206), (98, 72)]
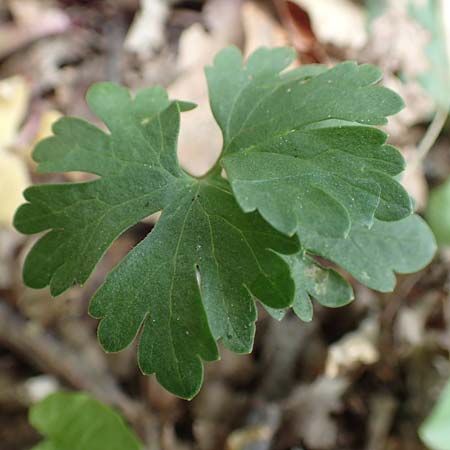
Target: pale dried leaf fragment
[(39, 18), (146, 34), (41, 130), (40, 386), (383, 407), (48, 118), (249, 437), (14, 179), (261, 30), (355, 349), (419, 26), (410, 328), (414, 179), (309, 410), (9, 241), (33, 20), (200, 138), (338, 22), (14, 96), (394, 31), (419, 107)]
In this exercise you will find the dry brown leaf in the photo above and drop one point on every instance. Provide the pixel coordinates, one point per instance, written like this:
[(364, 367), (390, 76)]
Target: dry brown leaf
[(382, 408), (414, 179), (410, 327), (354, 349), (48, 118), (393, 32), (146, 33), (32, 21), (161, 401), (249, 437), (341, 23), (37, 305), (419, 106), (40, 386), (224, 19), (260, 28), (9, 241), (36, 15), (215, 410), (43, 130), (14, 179), (309, 410), (200, 139), (298, 23), (14, 97)]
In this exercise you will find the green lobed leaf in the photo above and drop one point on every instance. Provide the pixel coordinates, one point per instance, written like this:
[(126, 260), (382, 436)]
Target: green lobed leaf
[(155, 287), (374, 255), (435, 431), (312, 280), (207, 230), (75, 421), (297, 147), (325, 285)]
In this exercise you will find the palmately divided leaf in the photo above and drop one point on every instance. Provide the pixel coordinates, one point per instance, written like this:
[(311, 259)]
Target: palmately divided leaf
[(75, 421), (373, 256), (299, 148), (202, 229)]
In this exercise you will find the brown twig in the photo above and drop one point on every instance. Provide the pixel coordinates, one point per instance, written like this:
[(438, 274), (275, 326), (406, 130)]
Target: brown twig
[(430, 136), (50, 355)]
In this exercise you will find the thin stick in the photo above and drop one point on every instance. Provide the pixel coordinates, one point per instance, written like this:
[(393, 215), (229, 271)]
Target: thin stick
[(431, 135), (50, 355)]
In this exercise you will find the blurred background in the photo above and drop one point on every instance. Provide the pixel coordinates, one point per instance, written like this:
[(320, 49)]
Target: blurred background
[(361, 377)]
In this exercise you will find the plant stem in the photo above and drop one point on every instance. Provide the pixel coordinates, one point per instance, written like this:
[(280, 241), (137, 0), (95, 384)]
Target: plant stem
[(431, 135)]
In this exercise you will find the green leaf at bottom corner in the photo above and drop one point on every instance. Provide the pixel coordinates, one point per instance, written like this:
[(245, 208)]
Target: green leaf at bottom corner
[(435, 431), (75, 421)]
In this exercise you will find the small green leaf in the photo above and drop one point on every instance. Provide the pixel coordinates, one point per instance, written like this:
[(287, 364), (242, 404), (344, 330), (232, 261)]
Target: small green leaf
[(75, 421), (438, 213), (435, 431), (323, 284), (312, 280), (374, 255)]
